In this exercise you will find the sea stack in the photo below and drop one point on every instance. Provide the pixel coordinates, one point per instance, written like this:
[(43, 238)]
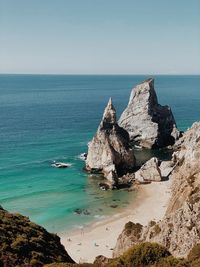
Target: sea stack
[(109, 152), (148, 123)]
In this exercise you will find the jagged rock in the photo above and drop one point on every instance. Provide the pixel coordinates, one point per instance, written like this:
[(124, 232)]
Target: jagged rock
[(166, 167), (150, 171), (23, 243), (179, 230), (130, 235), (148, 123), (109, 151)]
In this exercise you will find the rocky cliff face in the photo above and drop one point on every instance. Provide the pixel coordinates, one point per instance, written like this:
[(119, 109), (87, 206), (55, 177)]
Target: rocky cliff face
[(148, 123), (180, 228), (109, 151), (25, 244)]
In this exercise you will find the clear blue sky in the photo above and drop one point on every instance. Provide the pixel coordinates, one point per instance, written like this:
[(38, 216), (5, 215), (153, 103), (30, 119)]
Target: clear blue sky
[(100, 36)]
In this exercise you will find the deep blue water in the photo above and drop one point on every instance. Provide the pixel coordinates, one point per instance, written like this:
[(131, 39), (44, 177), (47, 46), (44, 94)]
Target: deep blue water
[(52, 117)]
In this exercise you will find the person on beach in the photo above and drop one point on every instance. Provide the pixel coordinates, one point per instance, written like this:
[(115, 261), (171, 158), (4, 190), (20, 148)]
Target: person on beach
[(82, 231)]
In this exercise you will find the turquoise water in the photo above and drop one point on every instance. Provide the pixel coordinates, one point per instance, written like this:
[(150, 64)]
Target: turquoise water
[(52, 117)]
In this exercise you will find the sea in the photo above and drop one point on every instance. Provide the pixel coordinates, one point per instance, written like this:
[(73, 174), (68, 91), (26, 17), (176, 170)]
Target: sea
[(46, 118)]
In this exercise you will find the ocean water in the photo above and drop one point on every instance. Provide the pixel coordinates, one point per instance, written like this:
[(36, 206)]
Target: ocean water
[(52, 117)]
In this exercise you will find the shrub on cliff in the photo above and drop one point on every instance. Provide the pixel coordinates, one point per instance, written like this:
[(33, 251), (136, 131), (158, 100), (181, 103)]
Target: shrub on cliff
[(23, 243), (141, 255), (133, 228), (171, 262), (69, 265)]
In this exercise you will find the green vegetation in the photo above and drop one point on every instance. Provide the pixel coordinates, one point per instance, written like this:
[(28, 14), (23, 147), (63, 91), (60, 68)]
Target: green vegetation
[(143, 255), (171, 262), (133, 229), (69, 265), (23, 243)]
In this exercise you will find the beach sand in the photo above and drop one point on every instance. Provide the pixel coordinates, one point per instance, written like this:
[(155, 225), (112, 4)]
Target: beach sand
[(100, 238)]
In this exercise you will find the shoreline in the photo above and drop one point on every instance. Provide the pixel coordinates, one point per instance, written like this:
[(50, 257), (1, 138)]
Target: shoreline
[(99, 238)]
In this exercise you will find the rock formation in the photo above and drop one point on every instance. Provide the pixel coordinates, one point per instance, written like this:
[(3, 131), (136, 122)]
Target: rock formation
[(150, 171), (179, 230), (109, 151), (23, 243), (148, 123)]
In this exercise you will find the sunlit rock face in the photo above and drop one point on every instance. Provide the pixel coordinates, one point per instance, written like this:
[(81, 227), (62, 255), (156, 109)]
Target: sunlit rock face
[(179, 230), (148, 123), (149, 171), (109, 151)]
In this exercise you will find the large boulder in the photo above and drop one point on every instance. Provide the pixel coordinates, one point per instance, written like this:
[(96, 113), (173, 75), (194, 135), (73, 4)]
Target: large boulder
[(148, 123), (150, 171), (109, 152)]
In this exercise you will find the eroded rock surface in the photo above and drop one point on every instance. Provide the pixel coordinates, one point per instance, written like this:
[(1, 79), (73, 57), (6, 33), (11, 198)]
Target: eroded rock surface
[(148, 123), (109, 152), (150, 171), (179, 230)]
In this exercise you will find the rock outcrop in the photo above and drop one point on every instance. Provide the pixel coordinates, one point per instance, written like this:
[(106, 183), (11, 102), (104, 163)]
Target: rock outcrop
[(109, 152), (23, 243), (130, 236), (150, 171), (179, 230), (148, 123)]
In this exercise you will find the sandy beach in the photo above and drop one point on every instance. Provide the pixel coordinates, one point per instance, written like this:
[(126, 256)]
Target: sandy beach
[(100, 238)]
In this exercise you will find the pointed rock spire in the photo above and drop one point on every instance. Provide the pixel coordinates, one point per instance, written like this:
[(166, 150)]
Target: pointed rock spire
[(109, 115), (109, 152)]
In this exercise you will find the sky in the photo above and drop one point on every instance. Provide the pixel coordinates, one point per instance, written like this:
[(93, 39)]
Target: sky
[(100, 36)]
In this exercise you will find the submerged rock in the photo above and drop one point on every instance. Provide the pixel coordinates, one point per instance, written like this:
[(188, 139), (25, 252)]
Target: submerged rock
[(109, 152), (81, 211), (148, 123), (104, 186), (150, 171)]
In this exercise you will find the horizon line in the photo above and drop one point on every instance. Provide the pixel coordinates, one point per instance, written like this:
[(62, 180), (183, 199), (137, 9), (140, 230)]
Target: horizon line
[(103, 74)]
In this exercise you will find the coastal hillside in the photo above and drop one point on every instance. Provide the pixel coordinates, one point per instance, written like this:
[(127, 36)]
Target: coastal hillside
[(142, 255), (179, 230), (26, 244)]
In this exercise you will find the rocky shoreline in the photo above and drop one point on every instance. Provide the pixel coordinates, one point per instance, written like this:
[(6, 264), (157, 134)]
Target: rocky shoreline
[(144, 123), (166, 210), (150, 125)]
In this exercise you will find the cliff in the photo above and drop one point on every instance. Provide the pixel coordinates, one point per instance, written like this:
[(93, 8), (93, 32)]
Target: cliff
[(109, 152), (179, 230), (148, 123)]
